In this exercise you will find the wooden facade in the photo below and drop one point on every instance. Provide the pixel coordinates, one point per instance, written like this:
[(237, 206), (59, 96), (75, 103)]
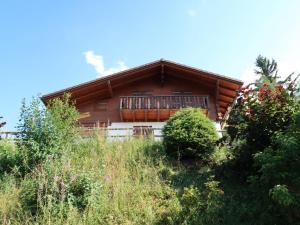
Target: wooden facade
[(151, 92)]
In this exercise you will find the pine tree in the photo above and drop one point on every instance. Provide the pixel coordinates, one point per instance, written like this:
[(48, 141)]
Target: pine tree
[(267, 69)]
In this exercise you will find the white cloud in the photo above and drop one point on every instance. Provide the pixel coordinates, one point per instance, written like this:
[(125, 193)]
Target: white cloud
[(192, 12), (98, 63), (95, 60), (285, 68)]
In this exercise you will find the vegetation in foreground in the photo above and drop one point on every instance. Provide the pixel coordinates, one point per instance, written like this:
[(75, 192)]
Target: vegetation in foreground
[(53, 176), (98, 182)]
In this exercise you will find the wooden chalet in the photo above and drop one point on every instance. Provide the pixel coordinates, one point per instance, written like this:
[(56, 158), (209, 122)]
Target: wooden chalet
[(147, 95)]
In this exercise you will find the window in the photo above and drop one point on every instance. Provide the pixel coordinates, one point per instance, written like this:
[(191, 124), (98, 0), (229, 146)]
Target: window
[(93, 124), (145, 131)]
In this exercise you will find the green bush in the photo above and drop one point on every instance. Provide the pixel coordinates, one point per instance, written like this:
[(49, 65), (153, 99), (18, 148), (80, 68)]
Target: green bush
[(9, 157), (278, 182), (190, 134), (45, 132)]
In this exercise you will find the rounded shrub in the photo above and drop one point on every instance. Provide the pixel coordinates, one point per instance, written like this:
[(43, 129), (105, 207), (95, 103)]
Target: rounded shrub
[(190, 134)]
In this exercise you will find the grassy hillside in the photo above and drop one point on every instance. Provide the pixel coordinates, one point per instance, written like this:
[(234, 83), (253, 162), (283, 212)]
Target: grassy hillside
[(98, 182)]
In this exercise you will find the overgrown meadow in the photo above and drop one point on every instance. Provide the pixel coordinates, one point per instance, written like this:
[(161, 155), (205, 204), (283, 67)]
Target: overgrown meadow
[(99, 182)]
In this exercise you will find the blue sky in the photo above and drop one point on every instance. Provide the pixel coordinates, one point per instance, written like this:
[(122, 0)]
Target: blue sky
[(47, 45)]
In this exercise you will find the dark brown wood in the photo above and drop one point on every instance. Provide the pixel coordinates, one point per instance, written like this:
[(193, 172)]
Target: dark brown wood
[(90, 96), (181, 67), (162, 75), (134, 79), (225, 95), (110, 89), (217, 97), (200, 81)]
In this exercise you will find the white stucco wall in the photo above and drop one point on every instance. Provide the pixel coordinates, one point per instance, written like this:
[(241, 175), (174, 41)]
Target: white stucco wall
[(126, 129)]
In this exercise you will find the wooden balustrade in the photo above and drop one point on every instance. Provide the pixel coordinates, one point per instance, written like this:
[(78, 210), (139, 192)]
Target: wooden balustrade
[(163, 102), (158, 108)]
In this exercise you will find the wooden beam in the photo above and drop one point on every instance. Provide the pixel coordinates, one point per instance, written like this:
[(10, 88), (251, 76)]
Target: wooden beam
[(120, 109), (162, 75), (227, 112), (217, 97), (224, 103), (226, 95), (225, 99), (228, 88), (110, 89)]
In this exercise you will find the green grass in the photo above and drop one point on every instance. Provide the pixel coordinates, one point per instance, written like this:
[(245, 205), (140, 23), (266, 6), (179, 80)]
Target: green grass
[(130, 188), (131, 182)]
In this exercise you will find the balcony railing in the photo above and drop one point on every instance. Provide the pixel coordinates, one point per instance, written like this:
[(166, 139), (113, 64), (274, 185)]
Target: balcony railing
[(163, 102)]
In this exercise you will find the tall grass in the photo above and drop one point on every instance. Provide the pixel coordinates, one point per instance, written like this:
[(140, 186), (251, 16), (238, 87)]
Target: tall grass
[(95, 181), (127, 186)]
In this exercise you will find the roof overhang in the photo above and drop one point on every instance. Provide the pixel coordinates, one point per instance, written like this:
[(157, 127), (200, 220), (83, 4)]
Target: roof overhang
[(226, 87)]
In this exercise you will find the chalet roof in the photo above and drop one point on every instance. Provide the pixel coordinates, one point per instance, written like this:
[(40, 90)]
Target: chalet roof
[(102, 87)]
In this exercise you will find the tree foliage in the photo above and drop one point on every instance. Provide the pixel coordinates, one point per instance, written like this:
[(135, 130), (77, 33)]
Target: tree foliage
[(267, 69), (264, 130), (263, 109), (278, 180), (45, 132)]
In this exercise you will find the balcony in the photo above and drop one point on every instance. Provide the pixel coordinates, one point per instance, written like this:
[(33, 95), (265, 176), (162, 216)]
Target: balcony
[(158, 108)]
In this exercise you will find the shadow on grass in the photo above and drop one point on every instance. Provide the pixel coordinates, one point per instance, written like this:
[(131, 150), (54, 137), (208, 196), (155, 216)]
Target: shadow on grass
[(178, 173)]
